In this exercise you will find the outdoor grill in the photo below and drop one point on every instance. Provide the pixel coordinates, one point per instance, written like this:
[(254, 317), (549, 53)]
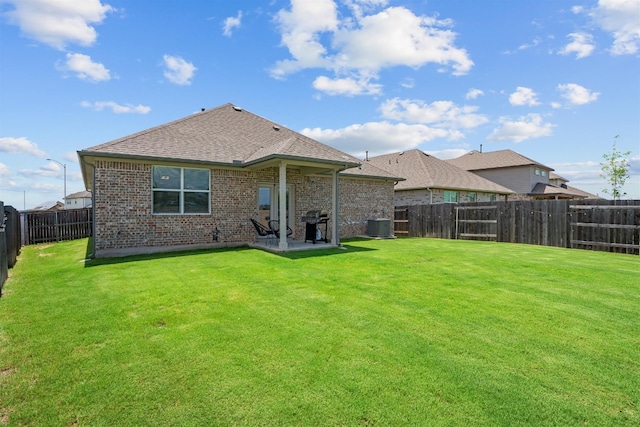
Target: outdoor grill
[(314, 219)]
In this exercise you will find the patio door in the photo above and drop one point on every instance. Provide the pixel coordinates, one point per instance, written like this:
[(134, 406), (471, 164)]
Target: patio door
[(268, 202)]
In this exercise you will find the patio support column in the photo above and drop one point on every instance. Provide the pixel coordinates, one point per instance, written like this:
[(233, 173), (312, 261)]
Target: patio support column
[(282, 207), (334, 207)]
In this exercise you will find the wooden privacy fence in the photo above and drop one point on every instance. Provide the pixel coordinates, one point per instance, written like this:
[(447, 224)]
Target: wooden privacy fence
[(56, 226), (584, 224)]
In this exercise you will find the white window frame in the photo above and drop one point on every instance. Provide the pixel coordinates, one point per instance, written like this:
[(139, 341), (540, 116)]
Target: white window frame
[(181, 191)]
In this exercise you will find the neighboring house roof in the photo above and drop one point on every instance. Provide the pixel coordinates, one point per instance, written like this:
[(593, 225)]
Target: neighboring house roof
[(421, 170), (542, 189), (475, 160), (226, 136), (553, 175), (366, 169), (80, 195), (572, 190), (49, 206)]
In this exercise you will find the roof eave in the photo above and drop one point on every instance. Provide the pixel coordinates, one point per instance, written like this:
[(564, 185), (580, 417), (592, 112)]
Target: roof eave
[(274, 159)]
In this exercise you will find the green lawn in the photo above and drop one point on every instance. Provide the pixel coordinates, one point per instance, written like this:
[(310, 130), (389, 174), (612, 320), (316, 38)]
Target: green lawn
[(385, 332)]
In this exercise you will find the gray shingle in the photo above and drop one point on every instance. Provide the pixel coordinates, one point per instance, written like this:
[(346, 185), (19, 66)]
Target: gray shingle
[(421, 170), (220, 135), (475, 160)]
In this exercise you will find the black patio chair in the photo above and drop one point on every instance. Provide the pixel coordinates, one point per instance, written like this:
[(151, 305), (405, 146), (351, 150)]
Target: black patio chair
[(274, 225), (266, 232)]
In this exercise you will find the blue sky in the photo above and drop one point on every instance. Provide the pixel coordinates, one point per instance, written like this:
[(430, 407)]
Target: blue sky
[(553, 80)]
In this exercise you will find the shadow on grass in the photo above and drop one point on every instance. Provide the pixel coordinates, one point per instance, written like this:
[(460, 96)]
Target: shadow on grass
[(346, 248)]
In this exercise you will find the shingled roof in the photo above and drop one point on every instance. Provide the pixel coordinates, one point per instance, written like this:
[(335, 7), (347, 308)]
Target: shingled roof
[(421, 170), (226, 135), (475, 160)]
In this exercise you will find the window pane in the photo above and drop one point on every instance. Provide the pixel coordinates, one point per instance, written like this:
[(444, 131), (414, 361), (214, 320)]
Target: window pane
[(196, 179), (454, 196), (196, 202), (166, 202), (166, 177)]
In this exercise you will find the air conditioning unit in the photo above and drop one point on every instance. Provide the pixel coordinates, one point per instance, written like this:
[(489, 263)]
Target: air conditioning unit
[(379, 227)]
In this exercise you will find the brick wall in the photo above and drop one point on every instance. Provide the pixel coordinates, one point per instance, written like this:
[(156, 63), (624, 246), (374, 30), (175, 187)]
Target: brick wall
[(436, 196), (124, 219)]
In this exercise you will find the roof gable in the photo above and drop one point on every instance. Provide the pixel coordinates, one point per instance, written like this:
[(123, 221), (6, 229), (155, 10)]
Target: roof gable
[(223, 135), (475, 160), (421, 170)]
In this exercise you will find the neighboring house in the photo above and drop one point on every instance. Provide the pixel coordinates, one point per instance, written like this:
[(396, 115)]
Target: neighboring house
[(49, 206), (560, 182), (429, 180), (528, 179), (79, 200), (195, 182)]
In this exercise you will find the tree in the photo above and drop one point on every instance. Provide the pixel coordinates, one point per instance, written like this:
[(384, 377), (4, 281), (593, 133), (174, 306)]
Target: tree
[(615, 170)]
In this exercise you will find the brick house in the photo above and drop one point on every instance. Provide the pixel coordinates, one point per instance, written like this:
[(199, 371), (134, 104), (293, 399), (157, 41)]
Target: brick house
[(195, 183), (429, 180)]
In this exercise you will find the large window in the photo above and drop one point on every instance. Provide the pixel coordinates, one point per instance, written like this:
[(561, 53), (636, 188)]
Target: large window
[(450, 196), (180, 190)]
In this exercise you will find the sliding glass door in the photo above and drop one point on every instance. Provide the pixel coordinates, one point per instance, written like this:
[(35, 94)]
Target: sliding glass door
[(268, 203)]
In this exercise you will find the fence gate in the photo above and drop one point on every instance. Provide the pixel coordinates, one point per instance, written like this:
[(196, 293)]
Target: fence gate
[(477, 222), (613, 228), (401, 222)]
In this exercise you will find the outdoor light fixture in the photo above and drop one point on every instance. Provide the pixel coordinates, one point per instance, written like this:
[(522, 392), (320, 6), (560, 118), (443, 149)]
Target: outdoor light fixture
[(64, 167)]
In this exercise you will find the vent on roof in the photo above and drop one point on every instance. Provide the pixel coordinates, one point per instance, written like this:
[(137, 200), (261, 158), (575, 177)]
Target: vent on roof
[(202, 109), (275, 127), (237, 108)]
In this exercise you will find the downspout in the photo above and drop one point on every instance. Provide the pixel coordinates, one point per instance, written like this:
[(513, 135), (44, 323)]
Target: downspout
[(335, 234), (430, 195)]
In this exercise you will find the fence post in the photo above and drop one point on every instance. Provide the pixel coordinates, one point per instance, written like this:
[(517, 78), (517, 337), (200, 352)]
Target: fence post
[(4, 258)]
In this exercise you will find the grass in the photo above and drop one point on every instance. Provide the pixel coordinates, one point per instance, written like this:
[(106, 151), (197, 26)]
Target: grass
[(392, 332)]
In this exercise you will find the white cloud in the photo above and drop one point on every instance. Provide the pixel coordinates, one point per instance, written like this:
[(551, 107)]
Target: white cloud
[(58, 23), (622, 19), (523, 96), (20, 146), (116, 108), (474, 93), (534, 43), (450, 153), (5, 171), (408, 83), (50, 169), (85, 68), (71, 156), (178, 70), (377, 137), (527, 127), (362, 44), (576, 94), (231, 23), (582, 45), (442, 114), (346, 86), (301, 35)]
